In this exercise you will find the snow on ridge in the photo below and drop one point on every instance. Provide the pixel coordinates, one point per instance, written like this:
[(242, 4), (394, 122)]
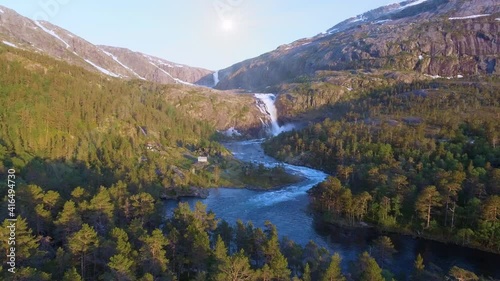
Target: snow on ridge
[(165, 64), (170, 75), (412, 4), (332, 31), (498, 19), (120, 63), (1, 11), (51, 32), (469, 17), (10, 44), (105, 71), (358, 18)]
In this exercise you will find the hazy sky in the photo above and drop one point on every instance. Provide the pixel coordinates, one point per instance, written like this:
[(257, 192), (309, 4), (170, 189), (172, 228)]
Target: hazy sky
[(207, 33)]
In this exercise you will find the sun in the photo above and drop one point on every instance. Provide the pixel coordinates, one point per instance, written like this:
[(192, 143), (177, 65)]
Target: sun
[(227, 25)]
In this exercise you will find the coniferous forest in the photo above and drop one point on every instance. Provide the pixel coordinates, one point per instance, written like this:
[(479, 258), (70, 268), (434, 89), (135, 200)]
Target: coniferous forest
[(420, 159)]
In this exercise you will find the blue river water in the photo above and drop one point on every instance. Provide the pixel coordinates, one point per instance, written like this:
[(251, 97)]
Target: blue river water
[(288, 209)]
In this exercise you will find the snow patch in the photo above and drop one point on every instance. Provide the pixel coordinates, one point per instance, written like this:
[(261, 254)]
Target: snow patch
[(51, 32), (380, 21), (469, 17), (433, 76), (420, 57), (71, 35), (1, 11), (165, 64), (10, 44), (335, 30), (498, 19), (459, 76), (105, 71), (124, 66)]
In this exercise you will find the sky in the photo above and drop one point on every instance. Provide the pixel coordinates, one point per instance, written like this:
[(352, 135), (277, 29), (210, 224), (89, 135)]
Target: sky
[(212, 34)]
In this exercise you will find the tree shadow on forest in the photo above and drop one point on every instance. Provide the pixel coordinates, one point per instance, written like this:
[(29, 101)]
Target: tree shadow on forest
[(64, 175)]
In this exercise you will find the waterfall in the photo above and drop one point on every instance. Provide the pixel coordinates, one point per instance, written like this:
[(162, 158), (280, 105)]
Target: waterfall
[(216, 78), (265, 103)]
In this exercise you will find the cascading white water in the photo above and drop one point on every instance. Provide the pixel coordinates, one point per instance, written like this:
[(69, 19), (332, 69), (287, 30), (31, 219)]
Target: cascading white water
[(265, 103), (216, 78)]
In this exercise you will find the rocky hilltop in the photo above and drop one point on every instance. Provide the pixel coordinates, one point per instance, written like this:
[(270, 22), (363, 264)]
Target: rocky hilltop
[(438, 38), (43, 37)]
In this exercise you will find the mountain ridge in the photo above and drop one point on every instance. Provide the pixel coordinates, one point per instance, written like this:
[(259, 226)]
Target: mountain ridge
[(440, 34), (45, 37)]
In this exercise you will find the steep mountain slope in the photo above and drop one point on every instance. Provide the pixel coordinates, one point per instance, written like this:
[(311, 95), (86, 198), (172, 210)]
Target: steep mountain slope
[(154, 69), (222, 110), (433, 37), (54, 112), (46, 38)]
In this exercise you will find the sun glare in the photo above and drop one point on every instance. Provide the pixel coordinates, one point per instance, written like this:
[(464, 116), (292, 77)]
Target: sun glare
[(227, 25)]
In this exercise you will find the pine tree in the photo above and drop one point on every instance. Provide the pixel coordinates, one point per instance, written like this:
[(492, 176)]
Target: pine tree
[(26, 243), (234, 268), (121, 267), (274, 258), (265, 274), (122, 264), (368, 269), (427, 199), (78, 194), (142, 205), (491, 209), (72, 275), (68, 220), (307, 273), (334, 272), (101, 210), (82, 243), (153, 253), (419, 263), (383, 249)]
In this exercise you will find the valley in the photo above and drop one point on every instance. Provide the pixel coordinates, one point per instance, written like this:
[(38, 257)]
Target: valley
[(369, 151), (289, 207)]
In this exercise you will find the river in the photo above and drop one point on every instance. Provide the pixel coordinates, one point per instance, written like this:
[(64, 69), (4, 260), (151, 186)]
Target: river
[(287, 208)]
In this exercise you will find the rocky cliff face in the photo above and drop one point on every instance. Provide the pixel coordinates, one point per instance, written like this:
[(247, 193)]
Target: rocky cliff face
[(434, 37), (44, 37)]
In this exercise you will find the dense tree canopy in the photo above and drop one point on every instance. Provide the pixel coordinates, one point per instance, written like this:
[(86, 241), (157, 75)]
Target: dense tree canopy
[(422, 157)]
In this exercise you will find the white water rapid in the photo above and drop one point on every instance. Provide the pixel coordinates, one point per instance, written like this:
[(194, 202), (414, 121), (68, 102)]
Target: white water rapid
[(265, 103)]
